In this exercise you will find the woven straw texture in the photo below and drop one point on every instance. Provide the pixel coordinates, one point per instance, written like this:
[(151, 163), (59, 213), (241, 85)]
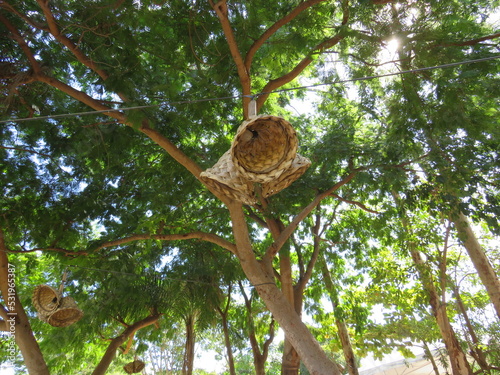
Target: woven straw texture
[(45, 299), (134, 367), (297, 169), (263, 151), (224, 178), (66, 314), (53, 309)]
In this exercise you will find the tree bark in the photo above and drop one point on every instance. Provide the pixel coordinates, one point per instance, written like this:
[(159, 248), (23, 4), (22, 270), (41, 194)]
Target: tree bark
[(429, 355), (457, 357), (475, 348), (23, 334), (259, 357), (458, 360), (113, 346), (483, 266), (187, 366), (290, 361), (260, 275), (342, 331), (225, 330), (229, 349)]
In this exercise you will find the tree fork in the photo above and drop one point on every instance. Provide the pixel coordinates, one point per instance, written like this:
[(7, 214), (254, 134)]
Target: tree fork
[(299, 335), (115, 343)]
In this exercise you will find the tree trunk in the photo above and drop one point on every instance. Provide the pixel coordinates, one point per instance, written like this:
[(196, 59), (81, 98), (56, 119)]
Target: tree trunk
[(479, 259), (341, 326), (429, 355), (114, 345), (259, 357), (187, 366), (290, 361), (458, 360), (23, 334), (260, 274), (476, 351), (227, 342)]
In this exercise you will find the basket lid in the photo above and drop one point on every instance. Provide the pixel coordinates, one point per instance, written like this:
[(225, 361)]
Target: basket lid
[(263, 148), (45, 299)]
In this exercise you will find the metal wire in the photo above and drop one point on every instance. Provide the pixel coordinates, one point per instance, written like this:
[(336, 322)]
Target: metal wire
[(336, 82)]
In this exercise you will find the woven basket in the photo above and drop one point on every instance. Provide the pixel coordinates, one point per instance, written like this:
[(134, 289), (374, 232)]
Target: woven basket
[(224, 178), (297, 169), (263, 151), (45, 299), (134, 367), (264, 147), (66, 314)]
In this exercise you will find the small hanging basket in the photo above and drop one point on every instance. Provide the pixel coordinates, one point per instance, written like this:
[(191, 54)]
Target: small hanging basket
[(134, 367), (53, 308), (224, 178), (263, 151), (45, 299), (296, 169), (66, 314)]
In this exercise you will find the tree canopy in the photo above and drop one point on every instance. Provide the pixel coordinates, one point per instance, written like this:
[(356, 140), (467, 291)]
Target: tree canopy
[(110, 112)]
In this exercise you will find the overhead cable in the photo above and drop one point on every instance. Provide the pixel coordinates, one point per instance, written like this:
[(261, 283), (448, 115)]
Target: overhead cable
[(192, 101)]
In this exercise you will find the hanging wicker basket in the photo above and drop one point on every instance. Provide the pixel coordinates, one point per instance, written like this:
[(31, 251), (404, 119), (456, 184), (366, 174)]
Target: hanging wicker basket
[(134, 367), (45, 299), (263, 151), (224, 178), (54, 309), (66, 314)]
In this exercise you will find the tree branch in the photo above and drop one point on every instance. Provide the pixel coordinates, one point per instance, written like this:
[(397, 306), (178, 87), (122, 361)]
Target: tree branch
[(154, 135), (320, 48), (174, 152), (287, 232), (3, 314), (16, 35), (119, 340), (172, 237), (469, 42), (359, 204), (268, 342), (68, 43), (222, 12), (275, 27), (304, 279), (26, 150), (252, 215), (139, 237), (158, 138), (5, 5), (82, 97), (66, 252), (284, 79)]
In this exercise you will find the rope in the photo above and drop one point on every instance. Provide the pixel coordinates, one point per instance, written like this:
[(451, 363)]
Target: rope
[(336, 82)]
